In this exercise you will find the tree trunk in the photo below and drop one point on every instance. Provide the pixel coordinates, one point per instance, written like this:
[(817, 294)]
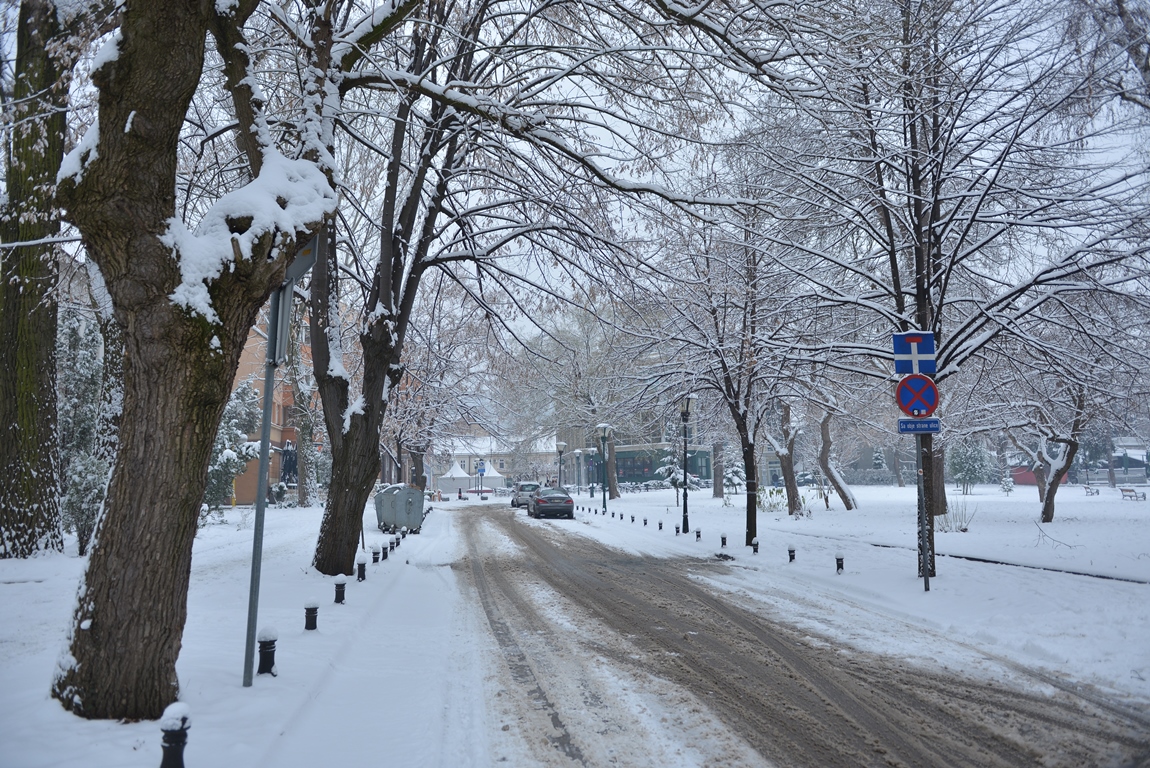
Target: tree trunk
[(352, 427), (750, 468), (178, 364), (787, 464), (29, 452), (787, 468), (1041, 472), (829, 472), (717, 471), (419, 479), (896, 463), (1056, 480), (934, 479)]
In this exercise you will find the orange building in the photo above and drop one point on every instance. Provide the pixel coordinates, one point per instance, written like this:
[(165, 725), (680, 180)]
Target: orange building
[(252, 366)]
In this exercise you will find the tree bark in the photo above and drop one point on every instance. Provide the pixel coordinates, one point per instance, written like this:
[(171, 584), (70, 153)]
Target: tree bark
[(1056, 480), (829, 472), (751, 469), (353, 427), (29, 453), (717, 471), (787, 464), (894, 462), (612, 474), (417, 467), (178, 364)]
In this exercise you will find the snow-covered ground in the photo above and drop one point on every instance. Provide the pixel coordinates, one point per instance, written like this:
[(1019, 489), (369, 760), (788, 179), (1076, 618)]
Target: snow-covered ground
[(402, 672)]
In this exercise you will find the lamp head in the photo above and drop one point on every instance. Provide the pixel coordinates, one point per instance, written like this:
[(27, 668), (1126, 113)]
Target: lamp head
[(685, 406)]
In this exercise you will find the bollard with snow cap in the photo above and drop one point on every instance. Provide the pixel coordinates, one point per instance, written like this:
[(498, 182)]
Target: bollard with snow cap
[(361, 566), (698, 534), (755, 545), (174, 724), (723, 540), (374, 553), (310, 613), (340, 588), (790, 553), (839, 563), (267, 640)]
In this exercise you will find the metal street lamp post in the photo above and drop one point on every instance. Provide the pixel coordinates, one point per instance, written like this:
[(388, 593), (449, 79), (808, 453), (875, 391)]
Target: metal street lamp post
[(685, 412), (591, 471), (560, 446), (578, 468), (604, 433)]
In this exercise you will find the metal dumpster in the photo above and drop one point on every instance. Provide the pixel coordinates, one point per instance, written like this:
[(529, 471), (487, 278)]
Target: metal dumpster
[(398, 506)]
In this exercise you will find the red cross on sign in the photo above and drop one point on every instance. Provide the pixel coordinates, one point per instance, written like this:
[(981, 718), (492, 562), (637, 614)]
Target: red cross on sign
[(916, 395)]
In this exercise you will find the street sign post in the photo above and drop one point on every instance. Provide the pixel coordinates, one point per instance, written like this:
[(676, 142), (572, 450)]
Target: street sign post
[(279, 331), (917, 397)]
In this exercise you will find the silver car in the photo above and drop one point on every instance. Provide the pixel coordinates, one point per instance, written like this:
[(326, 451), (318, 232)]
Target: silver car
[(522, 494)]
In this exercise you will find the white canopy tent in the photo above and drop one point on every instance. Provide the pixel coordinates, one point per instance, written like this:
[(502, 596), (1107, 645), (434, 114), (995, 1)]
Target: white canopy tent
[(454, 481)]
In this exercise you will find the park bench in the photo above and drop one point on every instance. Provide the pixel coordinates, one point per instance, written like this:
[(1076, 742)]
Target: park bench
[(1090, 490), (1133, 495)]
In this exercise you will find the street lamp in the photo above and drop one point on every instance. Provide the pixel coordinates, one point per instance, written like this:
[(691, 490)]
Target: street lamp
[(604, 433), (560, 446), (578, 469), (685, 412), (590, 471)]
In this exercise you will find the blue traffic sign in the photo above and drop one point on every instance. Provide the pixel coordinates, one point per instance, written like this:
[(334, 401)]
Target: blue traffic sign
[(914, 352), (918, 426), (916, 395)]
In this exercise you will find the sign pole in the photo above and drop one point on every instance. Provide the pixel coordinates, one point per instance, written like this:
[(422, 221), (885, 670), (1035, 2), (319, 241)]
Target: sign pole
[(924, 554), (279, 323)]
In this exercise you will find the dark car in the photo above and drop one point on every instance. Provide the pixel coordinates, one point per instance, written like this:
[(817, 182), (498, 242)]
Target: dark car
[(551, 502)]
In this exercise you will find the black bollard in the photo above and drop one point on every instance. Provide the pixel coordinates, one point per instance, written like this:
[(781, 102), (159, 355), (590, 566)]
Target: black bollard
[(676, 530), (632, 518), (612, 515), (310, 612), (374, 553), (340, 588), (660, 525), (391, 543), (791, 553), (361, 566), (174, 725), (383, 553), (698, 535), (839, 563), (644, 522), (403, 532), (267, 640), (723, 540), (755, 545)]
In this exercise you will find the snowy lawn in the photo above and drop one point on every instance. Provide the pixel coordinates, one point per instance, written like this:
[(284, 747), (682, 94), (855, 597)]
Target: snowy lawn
[(401, 672)]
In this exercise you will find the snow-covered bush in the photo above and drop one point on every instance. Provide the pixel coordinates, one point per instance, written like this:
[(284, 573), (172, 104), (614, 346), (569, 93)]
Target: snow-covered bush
[(232, 450), (85, 484), (969, 463), (79, 386)]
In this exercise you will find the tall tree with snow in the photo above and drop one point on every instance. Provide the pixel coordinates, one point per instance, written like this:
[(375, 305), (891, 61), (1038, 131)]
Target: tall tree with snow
[(184, 292), (35, 106)]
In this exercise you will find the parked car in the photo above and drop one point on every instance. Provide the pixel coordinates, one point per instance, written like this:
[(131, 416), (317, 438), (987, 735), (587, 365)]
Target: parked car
[(522, 494), (551, 502)]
